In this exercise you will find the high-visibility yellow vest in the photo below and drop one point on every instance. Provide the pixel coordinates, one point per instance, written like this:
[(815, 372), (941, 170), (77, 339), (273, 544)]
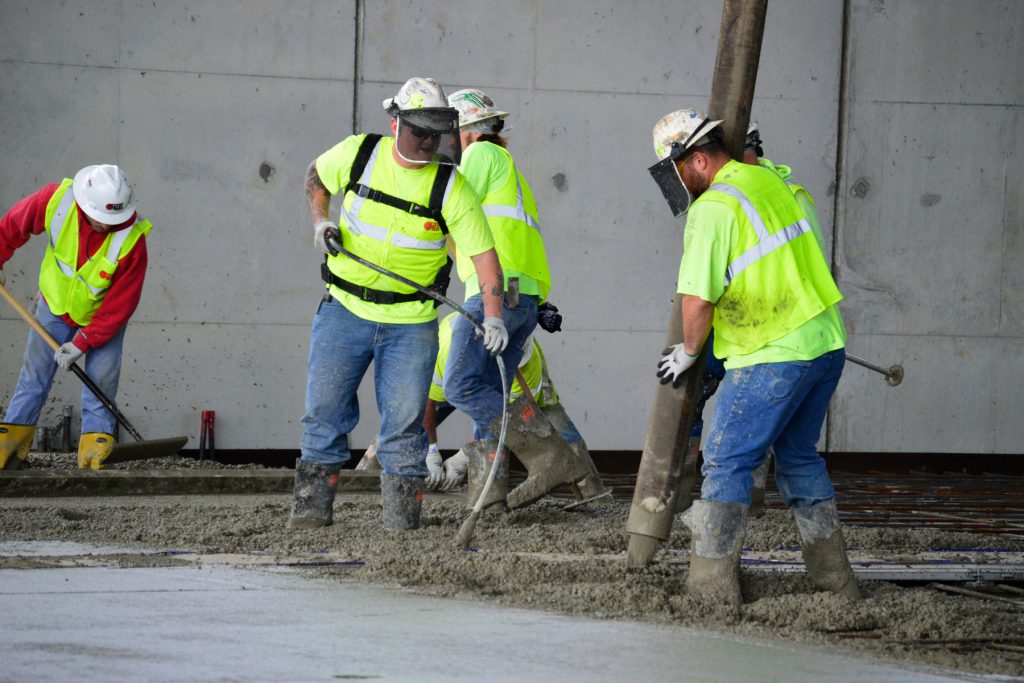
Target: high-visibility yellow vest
[(512, 214), (409, 245), (79, 292), (777, 278)]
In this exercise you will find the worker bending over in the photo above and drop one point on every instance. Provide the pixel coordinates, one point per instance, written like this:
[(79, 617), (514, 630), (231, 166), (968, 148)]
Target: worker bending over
[(752, 265), (401, 198), (90, 282)]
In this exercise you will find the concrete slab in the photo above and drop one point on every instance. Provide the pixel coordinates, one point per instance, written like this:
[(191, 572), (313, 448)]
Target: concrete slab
[(223, 623)]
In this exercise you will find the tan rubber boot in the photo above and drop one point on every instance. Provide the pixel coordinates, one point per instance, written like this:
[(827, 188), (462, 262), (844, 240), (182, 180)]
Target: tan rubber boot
[(825, 550), (93, 449), (760, 475), (716, 537), (592, 486), (15, 441), (548, 459), (481, 454)]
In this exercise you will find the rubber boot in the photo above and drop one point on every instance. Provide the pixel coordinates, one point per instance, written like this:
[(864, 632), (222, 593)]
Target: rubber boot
[(684, 498), (591, 487), (760, 475), (402, 499), (313, 500), (15, 441), (93, 449), (716, 537), (481, 454), (369, 461), (548, 459), (825, 550)]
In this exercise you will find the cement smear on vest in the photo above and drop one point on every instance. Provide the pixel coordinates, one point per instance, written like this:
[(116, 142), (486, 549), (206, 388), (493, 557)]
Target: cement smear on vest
[(545, 558)]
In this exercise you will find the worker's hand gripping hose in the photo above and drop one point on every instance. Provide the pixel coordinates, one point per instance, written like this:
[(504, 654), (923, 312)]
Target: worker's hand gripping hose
[(331, 238)]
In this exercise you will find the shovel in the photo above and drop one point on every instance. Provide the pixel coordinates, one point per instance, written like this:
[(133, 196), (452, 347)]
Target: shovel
[(140, 450)]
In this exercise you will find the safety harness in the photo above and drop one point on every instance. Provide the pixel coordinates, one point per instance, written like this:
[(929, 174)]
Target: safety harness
[(431, 211)]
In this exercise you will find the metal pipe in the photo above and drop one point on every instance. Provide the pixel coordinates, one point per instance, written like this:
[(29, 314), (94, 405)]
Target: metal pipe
[(661, 465)]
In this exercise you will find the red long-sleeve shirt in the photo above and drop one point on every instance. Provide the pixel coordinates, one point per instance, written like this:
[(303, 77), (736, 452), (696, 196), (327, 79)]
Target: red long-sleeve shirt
[(27, 218)]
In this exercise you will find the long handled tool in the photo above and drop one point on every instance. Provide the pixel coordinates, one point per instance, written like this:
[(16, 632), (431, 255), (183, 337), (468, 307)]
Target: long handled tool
[(893, 376), (139, 450)]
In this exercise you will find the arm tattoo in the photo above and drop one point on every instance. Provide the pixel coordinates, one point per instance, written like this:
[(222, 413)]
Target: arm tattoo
[(316, 194)]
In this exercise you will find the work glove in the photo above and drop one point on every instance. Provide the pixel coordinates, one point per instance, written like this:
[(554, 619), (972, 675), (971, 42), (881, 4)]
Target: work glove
[(323, 230), (495, 335), (435, 473), (549, 318), (674, 362), (454, 470), (66, 355)]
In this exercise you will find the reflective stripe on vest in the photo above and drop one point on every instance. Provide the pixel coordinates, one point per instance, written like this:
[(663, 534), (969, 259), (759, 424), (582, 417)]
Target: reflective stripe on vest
[(517, 212), (767, 242), (357, 227)]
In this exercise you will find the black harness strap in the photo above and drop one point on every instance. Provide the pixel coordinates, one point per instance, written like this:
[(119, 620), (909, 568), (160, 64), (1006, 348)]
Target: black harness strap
[(433, 211)]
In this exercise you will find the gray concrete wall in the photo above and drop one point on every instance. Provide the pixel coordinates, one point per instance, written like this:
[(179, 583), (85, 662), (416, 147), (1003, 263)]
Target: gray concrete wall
[(194, 98)]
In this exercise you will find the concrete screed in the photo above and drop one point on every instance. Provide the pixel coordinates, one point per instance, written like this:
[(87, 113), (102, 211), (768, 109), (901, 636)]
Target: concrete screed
[(541, 557)]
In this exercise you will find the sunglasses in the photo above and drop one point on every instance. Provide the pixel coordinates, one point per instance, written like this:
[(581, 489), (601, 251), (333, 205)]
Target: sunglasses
[(423, 133)]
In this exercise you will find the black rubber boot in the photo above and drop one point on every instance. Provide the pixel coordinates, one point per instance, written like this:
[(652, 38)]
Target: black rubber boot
[(716, 537), (825, 550), (313, 500), (402, 500), (481, 453)]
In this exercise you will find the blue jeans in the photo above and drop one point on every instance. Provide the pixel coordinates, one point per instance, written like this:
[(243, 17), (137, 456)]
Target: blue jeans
[(472, 381), (102, 365), (341, 347), (778, 405)]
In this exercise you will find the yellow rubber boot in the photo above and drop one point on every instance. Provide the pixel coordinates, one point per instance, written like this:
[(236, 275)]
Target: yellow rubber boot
[(93, 449), (14, 444)]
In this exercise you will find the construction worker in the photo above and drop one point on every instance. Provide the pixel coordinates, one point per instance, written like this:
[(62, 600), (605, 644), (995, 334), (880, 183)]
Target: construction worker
[(751, 265), (400, 198), (472, 379), (90, 282)]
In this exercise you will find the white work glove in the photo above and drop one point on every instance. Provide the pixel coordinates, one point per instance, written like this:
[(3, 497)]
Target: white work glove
[(674, 362), (66, 355), (495, 335), (454, 470), (323, 230), (435, 473)]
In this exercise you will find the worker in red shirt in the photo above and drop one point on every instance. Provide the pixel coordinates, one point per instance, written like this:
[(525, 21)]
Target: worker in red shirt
[(90, 282)]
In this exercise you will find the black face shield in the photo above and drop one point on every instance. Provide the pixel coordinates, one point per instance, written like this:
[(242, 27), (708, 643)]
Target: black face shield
[(673, 189), (429, 136)]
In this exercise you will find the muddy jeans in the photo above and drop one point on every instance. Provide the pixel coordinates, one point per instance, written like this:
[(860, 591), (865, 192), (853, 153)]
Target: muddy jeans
[(781, 405), (102, 365), (472, 381), (342, 345)]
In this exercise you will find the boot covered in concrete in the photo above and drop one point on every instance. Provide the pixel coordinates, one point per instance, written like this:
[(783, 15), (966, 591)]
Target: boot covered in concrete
[(716, 538), (825, 550), (548, 459), (760, 475), (402, 500), (93, 450), (481, 454), (313, 499), (15, 441), (591, 487)]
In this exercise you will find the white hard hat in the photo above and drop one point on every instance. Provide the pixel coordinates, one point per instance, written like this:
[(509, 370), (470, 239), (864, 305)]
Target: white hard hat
[(105, 194), (417, 93), (681, 130), (475, 107)]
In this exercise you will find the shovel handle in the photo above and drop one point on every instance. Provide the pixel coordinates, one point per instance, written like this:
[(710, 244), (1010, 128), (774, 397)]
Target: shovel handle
[(41, 331)]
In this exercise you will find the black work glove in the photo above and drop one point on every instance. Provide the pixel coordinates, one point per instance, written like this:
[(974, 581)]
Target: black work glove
[(548, 317)]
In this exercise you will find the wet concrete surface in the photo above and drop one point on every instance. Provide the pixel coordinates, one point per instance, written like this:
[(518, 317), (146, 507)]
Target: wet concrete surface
[(217, 623)]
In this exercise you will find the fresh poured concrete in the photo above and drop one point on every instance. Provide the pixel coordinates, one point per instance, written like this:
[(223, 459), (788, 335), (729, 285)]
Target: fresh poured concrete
[(232, 624)]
